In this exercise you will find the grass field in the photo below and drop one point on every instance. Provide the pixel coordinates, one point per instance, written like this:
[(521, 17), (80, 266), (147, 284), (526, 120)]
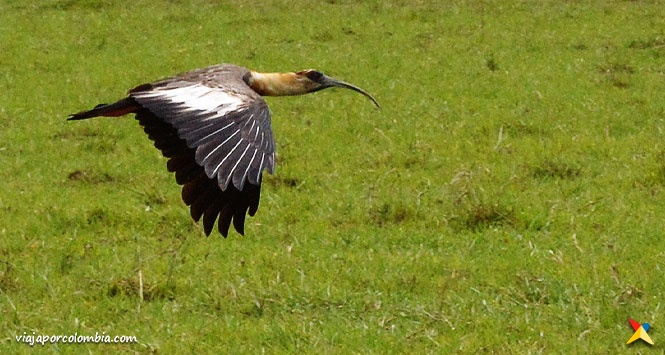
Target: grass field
[(508, 197)]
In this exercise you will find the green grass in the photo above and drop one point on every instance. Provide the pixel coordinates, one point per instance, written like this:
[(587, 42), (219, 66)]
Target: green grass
[(508, 197)]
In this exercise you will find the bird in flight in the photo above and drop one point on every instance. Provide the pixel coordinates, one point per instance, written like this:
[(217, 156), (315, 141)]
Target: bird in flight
[(213, 125)]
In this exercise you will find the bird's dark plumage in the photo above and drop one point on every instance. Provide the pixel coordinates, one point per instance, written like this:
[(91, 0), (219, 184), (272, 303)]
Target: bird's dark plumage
[(214, 127), (215, 131)]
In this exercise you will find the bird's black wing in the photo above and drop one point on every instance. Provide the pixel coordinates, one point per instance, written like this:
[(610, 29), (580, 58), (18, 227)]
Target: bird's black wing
[(216, 133)]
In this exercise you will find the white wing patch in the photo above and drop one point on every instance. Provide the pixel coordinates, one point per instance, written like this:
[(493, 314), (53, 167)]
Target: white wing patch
[(215, 121), (197, 97)]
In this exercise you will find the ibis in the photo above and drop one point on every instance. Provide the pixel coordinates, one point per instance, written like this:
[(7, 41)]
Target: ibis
[(213, 126)]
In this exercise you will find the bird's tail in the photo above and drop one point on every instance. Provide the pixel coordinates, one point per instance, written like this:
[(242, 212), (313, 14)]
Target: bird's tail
[(122, 107)]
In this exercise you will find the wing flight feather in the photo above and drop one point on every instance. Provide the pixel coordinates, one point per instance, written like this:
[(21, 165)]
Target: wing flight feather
[(217, 133)]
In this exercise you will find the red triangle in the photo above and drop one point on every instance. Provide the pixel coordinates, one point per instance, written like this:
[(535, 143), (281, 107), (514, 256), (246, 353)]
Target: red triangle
[(635, 325)]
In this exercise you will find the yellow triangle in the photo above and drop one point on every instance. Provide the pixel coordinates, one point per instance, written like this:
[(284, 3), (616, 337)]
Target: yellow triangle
[(635, 336), (645, 336)]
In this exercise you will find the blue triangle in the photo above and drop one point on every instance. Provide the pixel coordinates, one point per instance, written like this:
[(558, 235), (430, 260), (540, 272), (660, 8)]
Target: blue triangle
[(645, 326)]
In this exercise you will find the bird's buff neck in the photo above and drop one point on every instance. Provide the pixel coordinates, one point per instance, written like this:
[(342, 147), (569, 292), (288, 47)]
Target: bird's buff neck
[(277, 84)]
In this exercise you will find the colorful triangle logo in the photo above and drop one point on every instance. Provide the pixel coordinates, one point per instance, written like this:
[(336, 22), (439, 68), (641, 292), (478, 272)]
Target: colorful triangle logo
[(640, 332)]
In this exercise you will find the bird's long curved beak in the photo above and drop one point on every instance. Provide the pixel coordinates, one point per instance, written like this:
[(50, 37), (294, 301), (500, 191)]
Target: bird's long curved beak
[(332, 82)]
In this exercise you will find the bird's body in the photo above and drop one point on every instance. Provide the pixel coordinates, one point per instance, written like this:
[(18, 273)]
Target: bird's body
[(214, 127)]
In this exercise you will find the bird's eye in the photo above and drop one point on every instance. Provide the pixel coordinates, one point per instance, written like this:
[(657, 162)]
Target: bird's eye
[(314, 75)]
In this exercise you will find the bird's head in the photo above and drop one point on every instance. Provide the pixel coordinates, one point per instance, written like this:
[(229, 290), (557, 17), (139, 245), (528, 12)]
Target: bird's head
[(298, 83)]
